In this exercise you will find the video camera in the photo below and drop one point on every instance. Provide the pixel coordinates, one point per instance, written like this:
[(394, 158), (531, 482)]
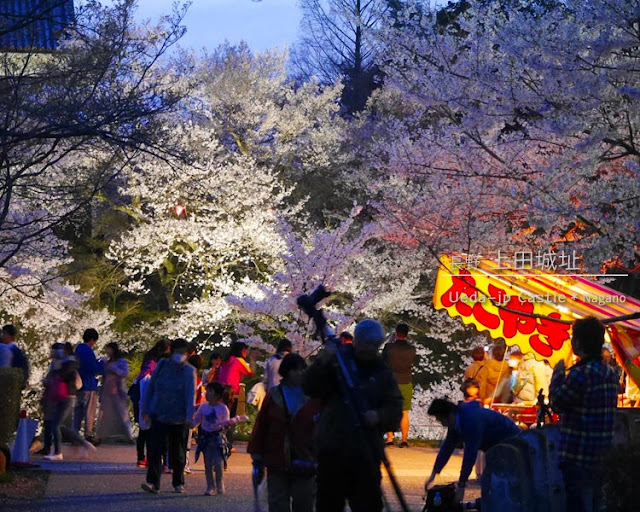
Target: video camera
[(308, 304), (349, 391)]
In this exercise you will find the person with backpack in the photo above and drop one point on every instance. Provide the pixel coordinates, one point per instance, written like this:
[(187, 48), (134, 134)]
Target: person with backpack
[(60, 386), (168, 405), (283, 440), (212, 416), (532, 377), (349, 453)]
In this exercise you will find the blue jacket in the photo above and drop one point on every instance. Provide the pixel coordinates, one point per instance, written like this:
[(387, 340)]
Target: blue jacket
[(89, 367), (479, 429), (19, 360)]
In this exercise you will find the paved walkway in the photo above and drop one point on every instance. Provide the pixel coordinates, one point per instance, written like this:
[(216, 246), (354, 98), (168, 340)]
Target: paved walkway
[(110, 482)]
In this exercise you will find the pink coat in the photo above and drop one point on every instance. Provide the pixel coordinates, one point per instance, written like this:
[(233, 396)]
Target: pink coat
[(232, 372)]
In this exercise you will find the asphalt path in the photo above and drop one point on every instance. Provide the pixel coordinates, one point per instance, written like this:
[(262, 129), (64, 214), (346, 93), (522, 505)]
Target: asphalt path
[(110, 482)]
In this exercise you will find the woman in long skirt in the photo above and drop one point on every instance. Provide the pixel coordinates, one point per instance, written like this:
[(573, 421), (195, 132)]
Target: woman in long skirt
[(114, 418)]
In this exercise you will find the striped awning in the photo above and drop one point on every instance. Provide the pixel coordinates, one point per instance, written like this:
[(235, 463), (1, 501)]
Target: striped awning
[(531, 308)]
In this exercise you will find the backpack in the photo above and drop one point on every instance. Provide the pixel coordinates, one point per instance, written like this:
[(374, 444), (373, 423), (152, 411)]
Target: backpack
[(441, 498), (168, 403), (57, 389)]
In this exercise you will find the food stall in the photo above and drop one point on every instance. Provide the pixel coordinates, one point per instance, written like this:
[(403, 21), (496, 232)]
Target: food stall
[(533, 308)]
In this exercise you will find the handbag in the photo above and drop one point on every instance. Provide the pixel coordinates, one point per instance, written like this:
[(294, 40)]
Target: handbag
[(256, 394), (57, 389), (134, 391), (78, 381)]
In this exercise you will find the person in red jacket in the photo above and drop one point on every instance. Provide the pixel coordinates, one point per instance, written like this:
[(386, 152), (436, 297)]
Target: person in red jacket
[(234, 367), (283, 440)]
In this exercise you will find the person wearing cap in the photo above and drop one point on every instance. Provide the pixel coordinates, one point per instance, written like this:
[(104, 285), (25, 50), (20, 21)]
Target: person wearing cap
[(472, 425), (348, 466), (400, 356)]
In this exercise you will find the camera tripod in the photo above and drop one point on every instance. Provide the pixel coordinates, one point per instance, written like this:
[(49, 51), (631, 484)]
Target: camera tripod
[(347, 386)]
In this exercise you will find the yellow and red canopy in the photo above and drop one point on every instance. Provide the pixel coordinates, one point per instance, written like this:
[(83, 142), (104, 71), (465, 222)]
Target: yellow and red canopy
[(533, 309)]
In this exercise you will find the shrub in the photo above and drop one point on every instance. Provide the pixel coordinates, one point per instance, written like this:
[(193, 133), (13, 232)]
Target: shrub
[(11, 386)]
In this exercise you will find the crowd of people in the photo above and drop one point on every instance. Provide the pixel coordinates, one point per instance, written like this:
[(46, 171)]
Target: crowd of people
[(316, 453), (585, 396), (320, 450)]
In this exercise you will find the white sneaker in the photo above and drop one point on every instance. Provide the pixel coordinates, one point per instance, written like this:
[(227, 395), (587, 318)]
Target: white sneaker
[(53, 456)]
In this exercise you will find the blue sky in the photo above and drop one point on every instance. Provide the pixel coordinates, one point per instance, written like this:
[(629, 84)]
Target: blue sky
[(263, 25)]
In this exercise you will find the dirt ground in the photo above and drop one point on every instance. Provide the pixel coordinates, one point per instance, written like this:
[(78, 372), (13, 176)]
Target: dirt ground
[(22, 484)]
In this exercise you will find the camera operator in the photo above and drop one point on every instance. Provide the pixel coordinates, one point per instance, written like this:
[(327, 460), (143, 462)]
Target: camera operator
[(348, 462)]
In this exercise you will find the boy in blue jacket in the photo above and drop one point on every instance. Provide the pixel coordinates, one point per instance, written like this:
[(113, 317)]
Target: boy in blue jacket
[(89, 367)]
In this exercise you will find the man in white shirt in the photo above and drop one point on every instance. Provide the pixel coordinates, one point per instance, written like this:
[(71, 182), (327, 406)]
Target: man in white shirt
[(271, 376)]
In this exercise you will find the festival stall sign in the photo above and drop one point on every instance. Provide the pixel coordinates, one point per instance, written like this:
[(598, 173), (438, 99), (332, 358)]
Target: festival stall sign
[(527, 307)]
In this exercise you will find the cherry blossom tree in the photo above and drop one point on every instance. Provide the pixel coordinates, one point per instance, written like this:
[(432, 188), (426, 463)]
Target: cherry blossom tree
[(72, 119), (516, 125), (208, 228)]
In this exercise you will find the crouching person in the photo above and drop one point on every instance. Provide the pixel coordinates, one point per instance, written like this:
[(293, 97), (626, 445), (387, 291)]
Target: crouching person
[(282, 440), (474, 426)]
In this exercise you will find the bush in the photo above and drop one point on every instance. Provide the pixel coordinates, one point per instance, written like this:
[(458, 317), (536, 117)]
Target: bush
[(11, 385)]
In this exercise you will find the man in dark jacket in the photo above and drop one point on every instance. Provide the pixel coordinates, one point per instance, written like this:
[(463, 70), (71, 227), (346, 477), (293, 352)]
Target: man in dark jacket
[(18, 359), (474, 426), (169, 404), (349, 454)]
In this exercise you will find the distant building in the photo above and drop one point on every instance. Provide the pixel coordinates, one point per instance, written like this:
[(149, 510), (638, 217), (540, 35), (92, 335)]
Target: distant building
[(33, 25)]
